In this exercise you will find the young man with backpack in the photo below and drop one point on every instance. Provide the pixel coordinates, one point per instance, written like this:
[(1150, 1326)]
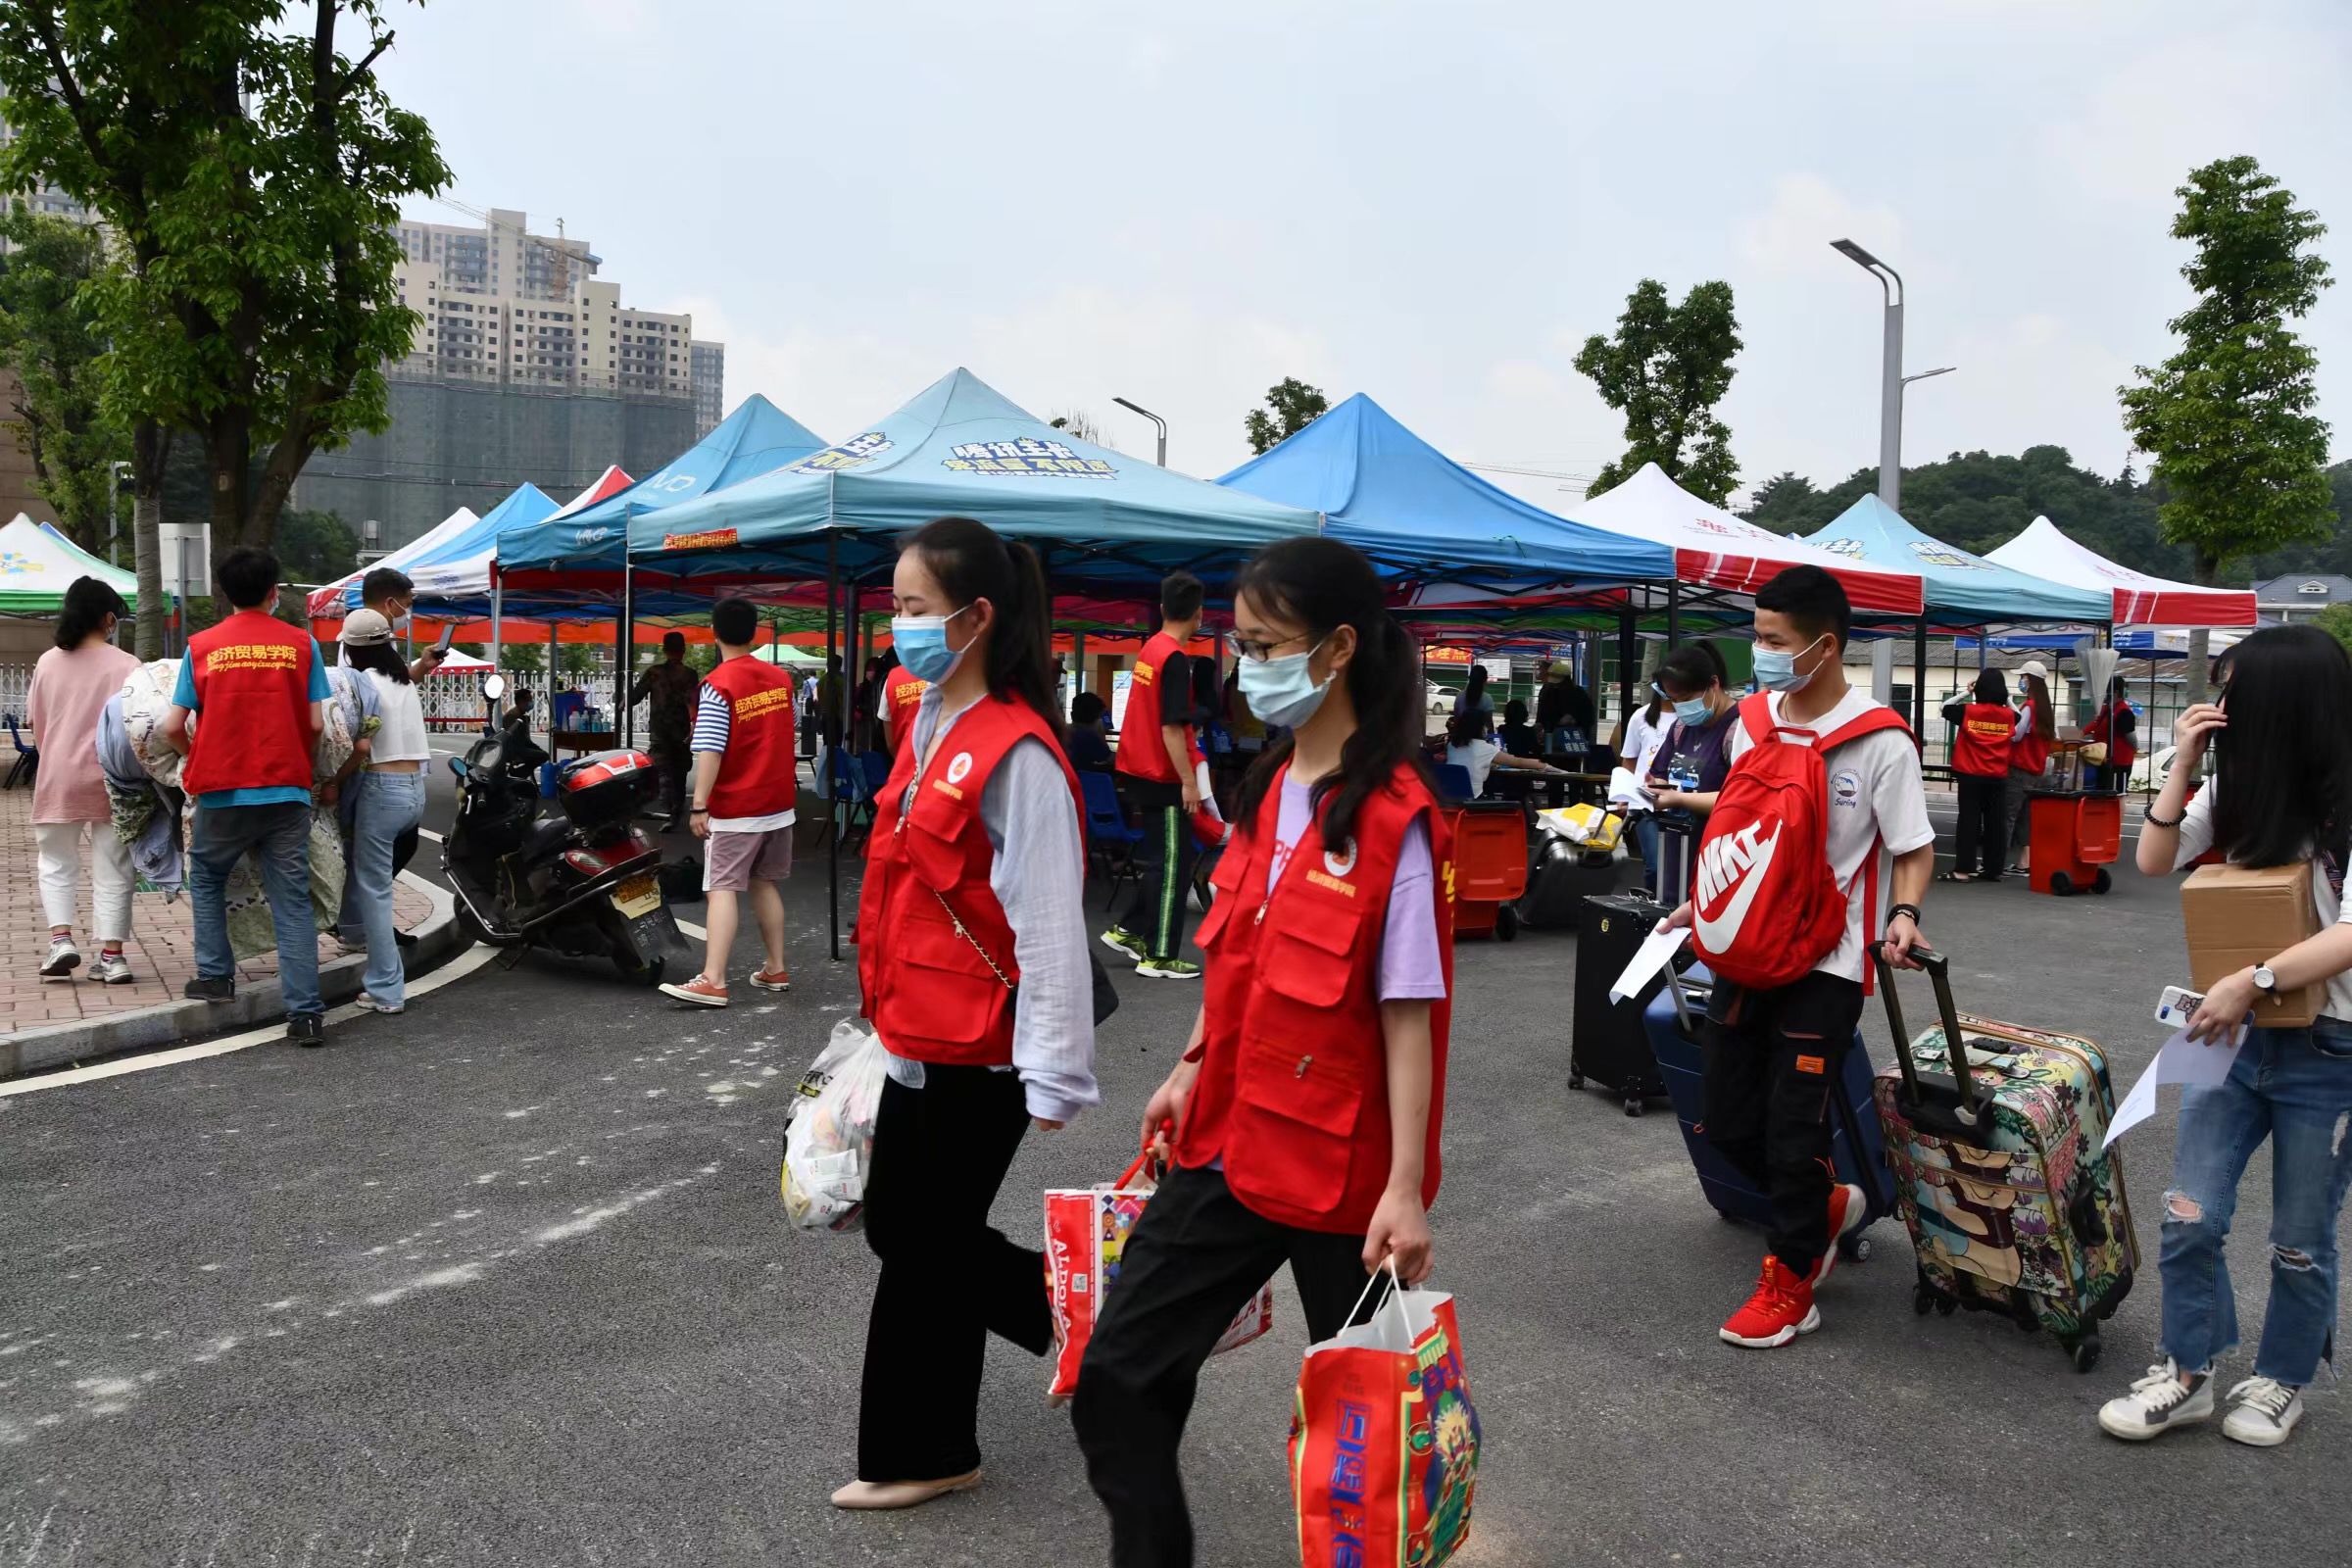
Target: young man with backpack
[(1819, 847)]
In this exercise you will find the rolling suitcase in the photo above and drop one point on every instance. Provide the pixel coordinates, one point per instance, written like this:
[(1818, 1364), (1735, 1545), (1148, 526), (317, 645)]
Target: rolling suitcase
[(1678, 848), (1606, 1040), (1560, 880), (1857, 1146), (1999, 1176)]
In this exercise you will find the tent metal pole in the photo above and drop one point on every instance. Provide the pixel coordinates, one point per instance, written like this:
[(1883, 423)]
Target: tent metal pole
[(621, 644), (497, 607), (1628, 657), (826, 743), (1919, 677), (1674, 614)]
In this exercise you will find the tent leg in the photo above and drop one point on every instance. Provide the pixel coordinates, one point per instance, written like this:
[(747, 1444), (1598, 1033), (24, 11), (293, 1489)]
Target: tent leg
[(1628, 653), (1674, 614), (497, 595), (622, 644), (827, 742), (1919, 678)]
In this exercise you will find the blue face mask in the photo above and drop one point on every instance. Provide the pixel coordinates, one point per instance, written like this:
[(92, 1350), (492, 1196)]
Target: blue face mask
[(922, 645), (1694, 713), (1283, 691), (1776, 671)]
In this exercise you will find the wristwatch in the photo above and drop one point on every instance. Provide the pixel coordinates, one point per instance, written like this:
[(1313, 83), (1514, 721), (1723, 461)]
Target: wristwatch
[(2265, 981)]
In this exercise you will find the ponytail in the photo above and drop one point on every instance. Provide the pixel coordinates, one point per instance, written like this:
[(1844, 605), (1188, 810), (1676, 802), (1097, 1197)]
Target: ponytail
[(972, 562)]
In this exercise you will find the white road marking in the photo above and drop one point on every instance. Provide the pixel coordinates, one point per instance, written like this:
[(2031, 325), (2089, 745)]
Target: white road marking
[(463, 965)]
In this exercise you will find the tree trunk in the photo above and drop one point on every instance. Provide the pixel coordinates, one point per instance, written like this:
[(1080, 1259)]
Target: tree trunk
[(228, 462), (150, 445), (2193, 681)]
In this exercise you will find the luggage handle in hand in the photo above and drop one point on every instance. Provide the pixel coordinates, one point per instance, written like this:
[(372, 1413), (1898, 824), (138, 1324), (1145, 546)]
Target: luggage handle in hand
[(1973, 1102)]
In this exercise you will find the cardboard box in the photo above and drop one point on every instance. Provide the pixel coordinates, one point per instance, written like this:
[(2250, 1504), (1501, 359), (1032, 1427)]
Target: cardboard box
[(2236, 916)]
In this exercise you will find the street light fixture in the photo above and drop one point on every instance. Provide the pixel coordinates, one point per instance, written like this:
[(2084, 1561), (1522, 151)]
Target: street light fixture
[(1891, 371), (1137, 407)]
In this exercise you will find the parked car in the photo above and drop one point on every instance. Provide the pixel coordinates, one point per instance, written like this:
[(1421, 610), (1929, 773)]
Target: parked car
[(1441, 698)]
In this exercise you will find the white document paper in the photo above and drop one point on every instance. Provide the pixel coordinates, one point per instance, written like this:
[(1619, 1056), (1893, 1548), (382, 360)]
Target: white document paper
[(2181, 1060), (1653, 957)]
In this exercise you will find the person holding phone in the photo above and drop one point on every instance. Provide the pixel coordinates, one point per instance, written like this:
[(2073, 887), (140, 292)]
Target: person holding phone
[(2281, 792)]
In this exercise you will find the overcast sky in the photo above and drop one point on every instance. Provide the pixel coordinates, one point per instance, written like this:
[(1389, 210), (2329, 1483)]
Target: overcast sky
[(1431, 203)]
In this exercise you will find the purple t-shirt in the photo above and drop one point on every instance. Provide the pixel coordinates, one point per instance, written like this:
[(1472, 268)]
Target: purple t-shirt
[(1410, 969)]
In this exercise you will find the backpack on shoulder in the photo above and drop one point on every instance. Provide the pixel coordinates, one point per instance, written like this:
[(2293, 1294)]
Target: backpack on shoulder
[(1766, 906)]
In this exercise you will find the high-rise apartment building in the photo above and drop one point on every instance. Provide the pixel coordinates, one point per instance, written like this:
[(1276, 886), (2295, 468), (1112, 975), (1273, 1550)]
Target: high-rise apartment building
[(708, 362)]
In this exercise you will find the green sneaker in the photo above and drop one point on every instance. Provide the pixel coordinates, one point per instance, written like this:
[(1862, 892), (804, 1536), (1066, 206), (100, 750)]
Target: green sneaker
[(1168, 970), (1119, 941)]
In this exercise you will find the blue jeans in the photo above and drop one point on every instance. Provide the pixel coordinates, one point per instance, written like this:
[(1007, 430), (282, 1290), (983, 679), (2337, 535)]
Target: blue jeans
[(1645, 839), (386, 806), (2294, 1087), (281, 837)]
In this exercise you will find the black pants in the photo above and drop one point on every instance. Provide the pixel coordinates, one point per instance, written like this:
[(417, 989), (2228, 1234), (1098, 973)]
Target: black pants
[(948, 1280), (1984, 825), (1773, 1060), (676, 765), (1155, 910), (1191, 1263)]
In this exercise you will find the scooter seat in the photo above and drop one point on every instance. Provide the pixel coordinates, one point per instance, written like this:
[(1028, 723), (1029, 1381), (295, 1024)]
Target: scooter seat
[(545, 838)]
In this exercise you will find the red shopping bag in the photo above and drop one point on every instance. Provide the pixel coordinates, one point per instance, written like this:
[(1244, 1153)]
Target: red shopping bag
[(1383, 1442), (1086, 1231)]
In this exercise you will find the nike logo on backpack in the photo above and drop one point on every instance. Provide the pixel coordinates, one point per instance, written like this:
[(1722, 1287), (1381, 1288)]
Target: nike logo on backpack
[(1740, 857)]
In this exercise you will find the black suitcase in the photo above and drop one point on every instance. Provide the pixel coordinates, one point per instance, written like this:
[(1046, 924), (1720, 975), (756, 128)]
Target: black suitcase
[(1558, 883), (1678, 849), (1608, 1042)]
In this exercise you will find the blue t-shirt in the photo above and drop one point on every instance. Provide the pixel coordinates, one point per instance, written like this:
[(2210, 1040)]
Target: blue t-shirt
[(183, 695)]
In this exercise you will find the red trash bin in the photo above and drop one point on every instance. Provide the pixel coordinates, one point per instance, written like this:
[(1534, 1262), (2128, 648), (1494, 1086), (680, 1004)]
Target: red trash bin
[(1489, 866), (2072, 835)]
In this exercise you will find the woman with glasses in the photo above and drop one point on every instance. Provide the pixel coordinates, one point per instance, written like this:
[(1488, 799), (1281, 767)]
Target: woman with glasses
[(1303, 1120)]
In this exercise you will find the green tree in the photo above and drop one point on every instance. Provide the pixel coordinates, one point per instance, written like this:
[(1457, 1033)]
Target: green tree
[(48, 338), (1782, 503), (315, 547), (1080, 423), (250, 175), (2227, 417), (1295, 406), (2336, 622), (1665, 371)]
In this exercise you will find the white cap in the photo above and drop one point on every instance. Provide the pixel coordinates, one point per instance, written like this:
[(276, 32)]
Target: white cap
[(2035, 666)]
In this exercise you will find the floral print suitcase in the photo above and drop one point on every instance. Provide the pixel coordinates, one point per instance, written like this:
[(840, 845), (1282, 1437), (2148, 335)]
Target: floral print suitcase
[(2011, 1203)]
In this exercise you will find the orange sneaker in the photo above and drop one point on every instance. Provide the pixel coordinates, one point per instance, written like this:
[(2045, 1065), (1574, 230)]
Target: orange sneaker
[(1849, 1208), (1781, 1309), (771, 980), (701, 990)]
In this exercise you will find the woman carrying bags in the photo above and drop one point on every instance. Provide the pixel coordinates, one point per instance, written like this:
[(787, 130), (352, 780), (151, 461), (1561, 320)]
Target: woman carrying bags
[(1983, 732), (972, 957), (1306, 1109)]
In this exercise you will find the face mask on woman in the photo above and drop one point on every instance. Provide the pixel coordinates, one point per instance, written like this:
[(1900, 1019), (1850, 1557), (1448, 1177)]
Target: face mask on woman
[(1695, 714), (1283, 691), (922, 645)]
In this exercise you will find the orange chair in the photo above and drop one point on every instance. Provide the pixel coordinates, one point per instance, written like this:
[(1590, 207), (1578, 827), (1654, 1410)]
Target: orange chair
[(1489, 866)]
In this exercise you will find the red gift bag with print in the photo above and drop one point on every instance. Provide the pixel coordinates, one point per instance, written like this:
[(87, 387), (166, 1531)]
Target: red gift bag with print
[(1384, 1442)]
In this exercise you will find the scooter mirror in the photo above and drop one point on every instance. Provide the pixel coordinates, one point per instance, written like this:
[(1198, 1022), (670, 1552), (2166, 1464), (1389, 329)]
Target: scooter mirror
[(494, 687)]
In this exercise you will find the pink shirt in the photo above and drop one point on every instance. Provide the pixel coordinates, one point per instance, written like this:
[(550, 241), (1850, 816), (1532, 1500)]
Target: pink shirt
[(68, 691)]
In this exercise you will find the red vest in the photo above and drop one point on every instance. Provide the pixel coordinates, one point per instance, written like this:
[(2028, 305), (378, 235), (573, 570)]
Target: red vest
[(1143, 750), (931, 995), (253, 729), (1980, 740), (2121, 749), (1293, 1093), (2029, 751), (906, 696), (757, 774)]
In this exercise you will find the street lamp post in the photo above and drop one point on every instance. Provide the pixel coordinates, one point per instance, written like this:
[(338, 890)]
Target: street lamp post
[(1137, 407), (1891, 371)]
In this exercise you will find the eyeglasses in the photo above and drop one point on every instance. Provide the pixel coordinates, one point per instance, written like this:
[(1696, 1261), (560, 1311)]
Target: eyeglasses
[(1245, 648)]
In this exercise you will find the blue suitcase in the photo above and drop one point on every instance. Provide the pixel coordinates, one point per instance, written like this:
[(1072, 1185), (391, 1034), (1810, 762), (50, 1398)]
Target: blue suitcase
[(1858, 1144)]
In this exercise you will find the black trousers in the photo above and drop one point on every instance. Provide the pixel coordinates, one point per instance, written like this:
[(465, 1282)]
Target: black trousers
[(1193, 1260), (1983, 827), (676, 765), (948, 1279), (1773, 1060), (1157, 909)]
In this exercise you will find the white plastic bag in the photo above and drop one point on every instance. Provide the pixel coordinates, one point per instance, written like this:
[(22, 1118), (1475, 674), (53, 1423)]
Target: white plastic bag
[(829, 1143)]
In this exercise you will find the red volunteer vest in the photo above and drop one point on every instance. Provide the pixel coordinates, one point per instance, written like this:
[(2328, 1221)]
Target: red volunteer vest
[(906, 696), (1980, 743), (929, 993), (1292, 1092), (2121, 749), (2029, 751), (1143, 754), (756, 773), (253, 689)]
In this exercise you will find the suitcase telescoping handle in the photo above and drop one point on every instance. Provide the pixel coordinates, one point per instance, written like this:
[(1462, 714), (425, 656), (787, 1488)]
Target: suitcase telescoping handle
[(1971, 1102)]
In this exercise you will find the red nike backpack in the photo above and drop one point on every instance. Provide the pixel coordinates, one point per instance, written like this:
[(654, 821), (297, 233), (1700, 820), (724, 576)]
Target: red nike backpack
[(1765, 906)]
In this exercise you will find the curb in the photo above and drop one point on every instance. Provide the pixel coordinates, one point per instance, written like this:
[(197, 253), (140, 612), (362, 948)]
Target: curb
[(70, 1045)]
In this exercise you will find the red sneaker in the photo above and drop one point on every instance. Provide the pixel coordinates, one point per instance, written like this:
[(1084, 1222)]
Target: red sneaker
[(1781, 1309), (771, 980), (701, 990), (1849, 1208)]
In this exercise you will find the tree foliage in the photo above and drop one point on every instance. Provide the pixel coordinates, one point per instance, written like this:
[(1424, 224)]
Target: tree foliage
[(49, 337), (1665, 371), (1082, 425), (2227, 417), (1290, 407), (2336, 622), (250, 175), (315, 547)]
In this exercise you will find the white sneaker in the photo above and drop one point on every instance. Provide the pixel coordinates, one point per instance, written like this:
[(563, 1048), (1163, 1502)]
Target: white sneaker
[(368, 1002), (2262, 1412), (111, 968), (2159, 1403), (63, 959)]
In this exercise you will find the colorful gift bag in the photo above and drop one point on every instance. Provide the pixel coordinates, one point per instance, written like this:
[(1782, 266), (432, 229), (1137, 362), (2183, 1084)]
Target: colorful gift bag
[(1086, 1231), (1383, 1444)]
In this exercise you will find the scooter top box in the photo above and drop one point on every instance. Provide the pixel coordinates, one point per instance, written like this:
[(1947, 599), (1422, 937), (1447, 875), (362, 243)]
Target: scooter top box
[(607, 787)]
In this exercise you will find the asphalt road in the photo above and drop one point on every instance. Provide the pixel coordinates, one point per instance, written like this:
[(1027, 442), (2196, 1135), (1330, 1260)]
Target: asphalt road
[(506, 1280)]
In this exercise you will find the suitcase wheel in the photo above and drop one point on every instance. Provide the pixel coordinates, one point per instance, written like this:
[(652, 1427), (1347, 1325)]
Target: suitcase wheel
[(1855, 1249), (1633, 1105), (1576, 1079), (2084, 1352)]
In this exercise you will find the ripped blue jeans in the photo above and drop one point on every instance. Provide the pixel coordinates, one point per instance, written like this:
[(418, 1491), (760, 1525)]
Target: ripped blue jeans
[(2294, 1088)]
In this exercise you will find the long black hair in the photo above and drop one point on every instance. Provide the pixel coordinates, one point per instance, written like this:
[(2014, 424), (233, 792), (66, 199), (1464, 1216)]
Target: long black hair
[(385, 660), (1475, 691), (2038, 695), (2283, 763), (89, 602), (970, 560), (1322, 585)]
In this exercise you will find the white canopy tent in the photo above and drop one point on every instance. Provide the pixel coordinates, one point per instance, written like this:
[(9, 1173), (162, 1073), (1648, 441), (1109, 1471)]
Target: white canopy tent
[(2139, 600)]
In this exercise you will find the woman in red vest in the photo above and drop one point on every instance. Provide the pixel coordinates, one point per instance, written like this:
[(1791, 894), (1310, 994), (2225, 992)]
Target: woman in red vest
[(2035, 733), (1983, 733), (972, 957), (1305, 1111), (2116, 727)]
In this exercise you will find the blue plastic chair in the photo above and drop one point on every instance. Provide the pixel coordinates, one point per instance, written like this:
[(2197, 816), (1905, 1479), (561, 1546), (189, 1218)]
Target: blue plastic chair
[(1453, 781), (1109, 836), (28, 758)]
